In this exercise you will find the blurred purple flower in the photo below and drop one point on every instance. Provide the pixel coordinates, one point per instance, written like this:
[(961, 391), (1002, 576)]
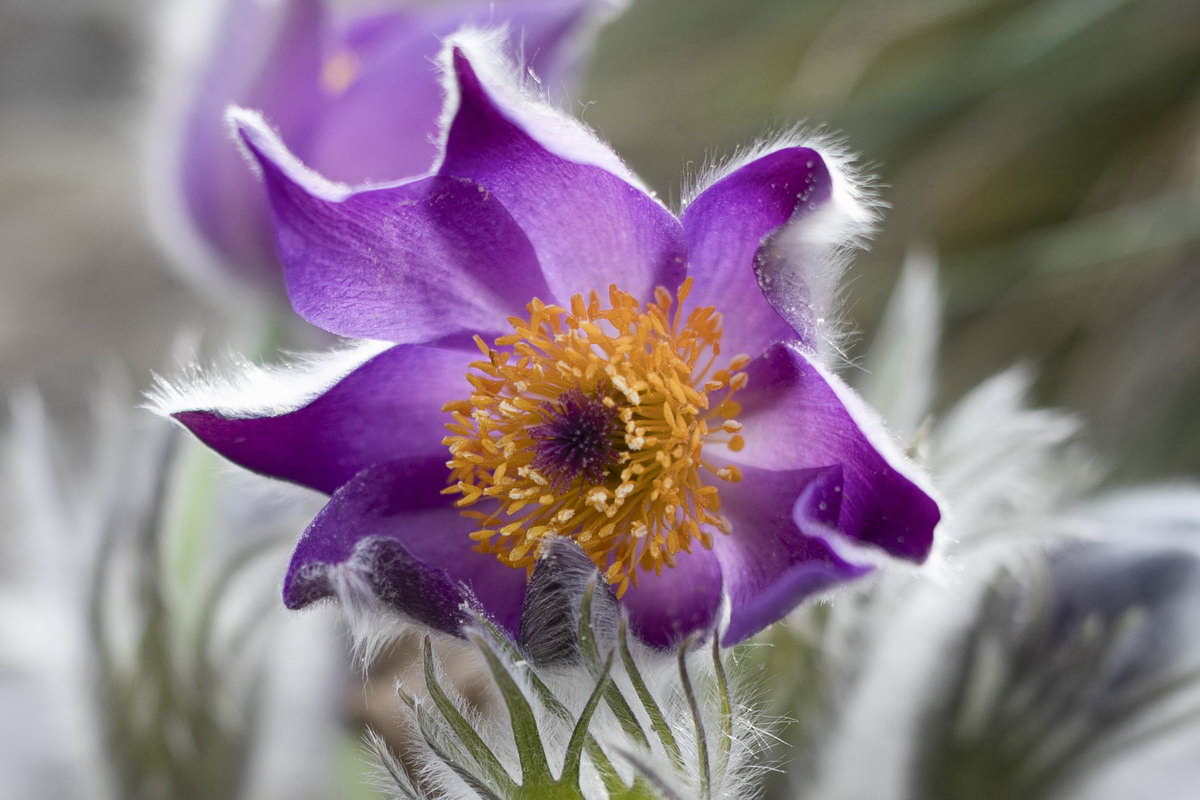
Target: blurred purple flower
[(356, 98), (649, 386)]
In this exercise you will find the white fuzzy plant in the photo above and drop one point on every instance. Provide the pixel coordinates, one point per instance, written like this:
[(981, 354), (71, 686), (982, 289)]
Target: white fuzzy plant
[(589, 713), (140, 652), (953, 677)]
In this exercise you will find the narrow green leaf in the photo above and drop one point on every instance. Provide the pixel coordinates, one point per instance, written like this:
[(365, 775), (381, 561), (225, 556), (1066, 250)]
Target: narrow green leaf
[(430, 737), (587, 638), (570, 772), (407, 698), (657, 721), (534, 768), (608, 773), (650, 775), (701, 740), (723, 692), (591, 656), (466, 733)]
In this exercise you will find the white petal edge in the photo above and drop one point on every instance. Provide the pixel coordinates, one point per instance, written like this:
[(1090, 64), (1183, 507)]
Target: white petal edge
[(240, 389), (248, 125)]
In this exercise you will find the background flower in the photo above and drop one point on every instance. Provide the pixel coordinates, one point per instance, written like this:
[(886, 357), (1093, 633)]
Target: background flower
[(356, 94)]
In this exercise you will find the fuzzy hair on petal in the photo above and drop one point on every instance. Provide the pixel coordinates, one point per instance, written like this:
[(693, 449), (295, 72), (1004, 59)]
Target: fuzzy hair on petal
[(817, 246), (372, 626), (243, 390), (521, 101)]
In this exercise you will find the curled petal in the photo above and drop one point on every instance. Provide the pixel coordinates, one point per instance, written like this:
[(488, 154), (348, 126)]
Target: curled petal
[(589, 221), (731, 221), (414, 262), (390, 532), (775, 228), (798, 416), (324, 427)]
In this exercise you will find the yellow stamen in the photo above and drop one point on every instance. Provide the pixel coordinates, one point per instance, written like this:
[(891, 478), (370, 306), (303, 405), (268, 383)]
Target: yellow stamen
[(646, 367)]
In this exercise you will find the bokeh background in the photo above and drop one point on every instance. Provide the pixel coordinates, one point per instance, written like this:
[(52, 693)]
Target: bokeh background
[(1048, 151)]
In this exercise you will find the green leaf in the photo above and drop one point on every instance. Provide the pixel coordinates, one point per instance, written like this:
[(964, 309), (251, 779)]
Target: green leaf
[(394, 767), (608, 774), (701, 741), (723, 694), (534, 768), (466, 733), (657, 721), (648, 774), (591, 656), (570, 772), (431, 740)]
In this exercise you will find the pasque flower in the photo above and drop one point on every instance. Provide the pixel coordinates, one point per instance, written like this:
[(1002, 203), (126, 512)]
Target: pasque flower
[(356, 96), (560, 356)]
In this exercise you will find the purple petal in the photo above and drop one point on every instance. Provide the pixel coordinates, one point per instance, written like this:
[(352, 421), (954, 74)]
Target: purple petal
[(391, 530), (727, 226), (269, 59), (384, 89), (775, 555), (550, 615), (415, 262), (589, 224), (388, 407), (798, 416), (664, 609)]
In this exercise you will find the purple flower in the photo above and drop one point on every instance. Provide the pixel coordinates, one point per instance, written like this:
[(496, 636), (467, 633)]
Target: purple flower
[(356, 98), (559, 357)]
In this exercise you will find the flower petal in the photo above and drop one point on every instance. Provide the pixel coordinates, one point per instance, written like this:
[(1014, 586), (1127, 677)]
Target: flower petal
[(270, 57), (413, 262), (728, 224), (550, 616), (796, 415), (589, 222), (373, 130), (391, 405), (773, 229), (776, 554), (664, 609), (391, 531)]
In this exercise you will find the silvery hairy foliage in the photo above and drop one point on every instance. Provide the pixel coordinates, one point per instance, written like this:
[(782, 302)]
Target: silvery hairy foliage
[(587, 711), (1050, 653), (141, 652)]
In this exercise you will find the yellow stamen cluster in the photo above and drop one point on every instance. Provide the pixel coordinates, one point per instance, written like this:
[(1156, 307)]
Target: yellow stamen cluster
[(654, 371)]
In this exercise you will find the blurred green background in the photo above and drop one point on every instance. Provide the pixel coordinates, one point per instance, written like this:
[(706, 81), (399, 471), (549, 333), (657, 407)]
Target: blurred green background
[(1048, 151)]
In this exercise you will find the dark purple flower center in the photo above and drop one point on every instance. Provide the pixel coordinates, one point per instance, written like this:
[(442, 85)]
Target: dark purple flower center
[(577, 438)]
